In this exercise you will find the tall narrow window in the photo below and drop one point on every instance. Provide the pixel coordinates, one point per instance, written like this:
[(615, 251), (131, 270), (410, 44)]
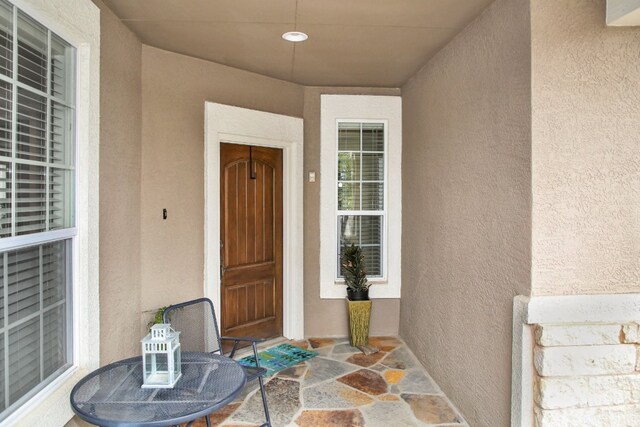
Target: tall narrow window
[(361, 187), (361, 190), (37, 205)]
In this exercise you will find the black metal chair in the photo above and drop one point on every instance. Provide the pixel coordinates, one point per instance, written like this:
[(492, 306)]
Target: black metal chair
[(196, 321)]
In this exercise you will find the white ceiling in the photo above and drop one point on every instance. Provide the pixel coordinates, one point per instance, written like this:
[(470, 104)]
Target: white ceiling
[(351, 42)]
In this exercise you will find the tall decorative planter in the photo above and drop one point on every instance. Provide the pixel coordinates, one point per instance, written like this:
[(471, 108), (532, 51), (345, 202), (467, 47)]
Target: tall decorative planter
[(359, 317), (352, 266)]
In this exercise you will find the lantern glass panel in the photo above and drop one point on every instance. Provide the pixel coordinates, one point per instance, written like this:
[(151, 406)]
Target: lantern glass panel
[(156, 368), (177, 362), (162, 363)]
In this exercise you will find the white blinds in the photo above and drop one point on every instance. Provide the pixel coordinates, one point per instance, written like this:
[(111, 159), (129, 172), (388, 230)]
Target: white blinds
[(36, 127), (361, 176), (37, 195), (33, 312)]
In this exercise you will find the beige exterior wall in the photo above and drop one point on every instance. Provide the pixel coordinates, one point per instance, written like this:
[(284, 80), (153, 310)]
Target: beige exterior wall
[(586, 151), (328, 317), (466, 209), (152, 158), (120, 161), (174, 90)]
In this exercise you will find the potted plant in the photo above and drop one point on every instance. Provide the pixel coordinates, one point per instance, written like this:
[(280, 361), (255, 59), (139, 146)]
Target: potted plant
[(157, 317), (355, 274), (352, 265)]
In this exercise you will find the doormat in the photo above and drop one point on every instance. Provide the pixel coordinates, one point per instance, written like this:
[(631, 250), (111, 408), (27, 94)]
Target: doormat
[(278, 358)]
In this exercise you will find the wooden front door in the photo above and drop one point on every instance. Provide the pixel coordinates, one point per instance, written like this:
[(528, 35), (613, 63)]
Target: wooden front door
[(251, 246)]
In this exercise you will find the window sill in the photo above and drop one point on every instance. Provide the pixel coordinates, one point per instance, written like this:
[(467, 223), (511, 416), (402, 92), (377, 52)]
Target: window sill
[(380, 289), (51, 404)]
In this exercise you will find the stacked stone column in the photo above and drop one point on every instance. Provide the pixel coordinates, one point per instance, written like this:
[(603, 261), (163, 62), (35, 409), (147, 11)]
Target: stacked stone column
[(587, 375)]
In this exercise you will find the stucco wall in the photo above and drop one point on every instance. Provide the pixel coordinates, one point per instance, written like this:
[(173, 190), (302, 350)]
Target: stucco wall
[(174, 90), (466, 207), (120, 161), (586, 150), (328, 317)]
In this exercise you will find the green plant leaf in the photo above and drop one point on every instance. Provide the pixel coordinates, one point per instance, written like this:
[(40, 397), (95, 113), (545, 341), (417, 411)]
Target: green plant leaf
[(354, 269)]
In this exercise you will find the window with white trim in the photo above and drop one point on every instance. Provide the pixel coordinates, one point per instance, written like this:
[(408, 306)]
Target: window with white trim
[(37, 205), (361, 190)]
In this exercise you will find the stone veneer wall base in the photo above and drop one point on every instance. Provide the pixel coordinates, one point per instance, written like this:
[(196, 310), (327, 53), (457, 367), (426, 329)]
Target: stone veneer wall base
[(576, 361)]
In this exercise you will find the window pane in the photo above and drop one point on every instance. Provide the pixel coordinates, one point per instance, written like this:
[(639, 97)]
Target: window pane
[(3, 373), (372, 137), (30, 199), (349, 136), (32, 123), (6, 109), (24, 283), (5, 199), (62, 146), (38, 334), (32, 53), (348, 196), (62, 69), (54, 273), (373, 260), (2, 272), (371, 230), (372, 196), (365, 231), (54, 340), (6, 39), (348, 166), (348, 230), (373, 167), (24, 358), (61, 203)]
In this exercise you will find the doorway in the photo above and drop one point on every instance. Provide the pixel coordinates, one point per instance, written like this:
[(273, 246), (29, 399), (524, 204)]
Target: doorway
[(226, 124), (251, 240)]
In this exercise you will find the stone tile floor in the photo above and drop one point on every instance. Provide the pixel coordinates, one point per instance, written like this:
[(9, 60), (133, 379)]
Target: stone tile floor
[(343, 387)]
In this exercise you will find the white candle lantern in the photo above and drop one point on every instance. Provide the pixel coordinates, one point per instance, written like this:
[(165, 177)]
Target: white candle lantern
[(161, 357)]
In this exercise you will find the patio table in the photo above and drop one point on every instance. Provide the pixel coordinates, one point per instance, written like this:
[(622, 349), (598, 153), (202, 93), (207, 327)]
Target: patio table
[(112, 396)]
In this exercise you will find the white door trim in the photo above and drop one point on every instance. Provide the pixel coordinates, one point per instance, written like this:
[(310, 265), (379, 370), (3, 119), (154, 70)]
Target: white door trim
[(224, 123)]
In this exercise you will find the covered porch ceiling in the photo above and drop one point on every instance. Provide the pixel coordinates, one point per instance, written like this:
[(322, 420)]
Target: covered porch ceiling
[(377, 43)]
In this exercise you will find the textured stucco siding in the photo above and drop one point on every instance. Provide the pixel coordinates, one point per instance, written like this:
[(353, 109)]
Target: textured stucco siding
[(174, 90), (586, 150), (328, 317), (120, 164), (466, 209)]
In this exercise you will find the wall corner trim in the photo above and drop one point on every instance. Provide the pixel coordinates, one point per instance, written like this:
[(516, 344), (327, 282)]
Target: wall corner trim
[(521, 365), (623, 13), (583, 308)]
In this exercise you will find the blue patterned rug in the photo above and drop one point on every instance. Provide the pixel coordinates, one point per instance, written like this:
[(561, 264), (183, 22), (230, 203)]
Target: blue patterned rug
[(279, 357)]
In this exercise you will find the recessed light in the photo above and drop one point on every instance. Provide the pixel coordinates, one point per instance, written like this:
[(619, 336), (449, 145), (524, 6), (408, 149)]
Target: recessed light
[(295, 36)]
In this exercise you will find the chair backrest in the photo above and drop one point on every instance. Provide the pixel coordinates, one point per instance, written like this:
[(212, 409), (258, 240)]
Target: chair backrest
[(196, 322)]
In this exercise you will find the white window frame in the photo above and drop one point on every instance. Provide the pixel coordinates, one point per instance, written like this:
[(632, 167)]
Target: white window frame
[(79, 24), (361, 109), (384, 212)]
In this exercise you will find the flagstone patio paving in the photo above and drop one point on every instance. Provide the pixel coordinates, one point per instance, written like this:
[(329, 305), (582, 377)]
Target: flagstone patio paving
[(343, 387)]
